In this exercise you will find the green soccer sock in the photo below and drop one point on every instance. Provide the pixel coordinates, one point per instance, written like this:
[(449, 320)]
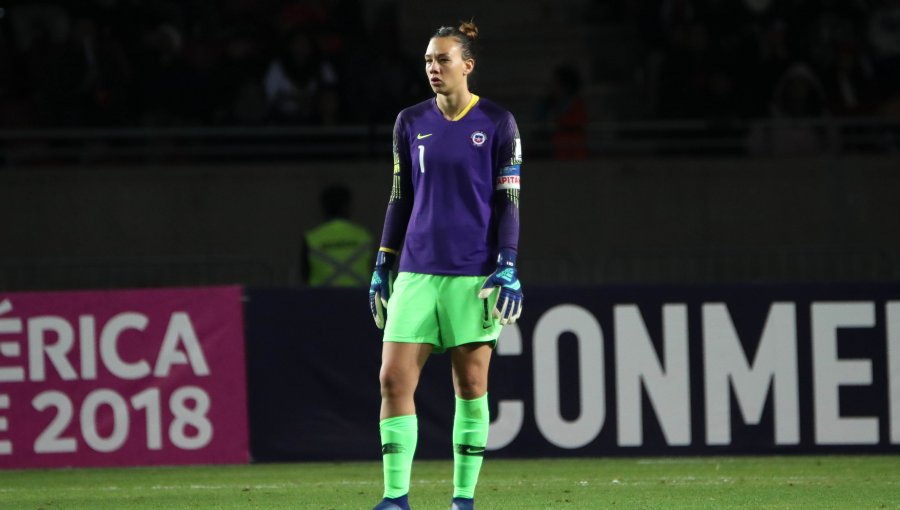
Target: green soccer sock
[(470, 433), (398, 446)]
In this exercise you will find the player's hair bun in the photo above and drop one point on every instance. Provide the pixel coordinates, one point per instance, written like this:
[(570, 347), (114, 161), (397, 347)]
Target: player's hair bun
[(465, 35), (469, 29)]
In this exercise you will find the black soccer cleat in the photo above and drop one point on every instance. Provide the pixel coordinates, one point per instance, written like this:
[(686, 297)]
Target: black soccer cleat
[(401, 503), (463, 504)]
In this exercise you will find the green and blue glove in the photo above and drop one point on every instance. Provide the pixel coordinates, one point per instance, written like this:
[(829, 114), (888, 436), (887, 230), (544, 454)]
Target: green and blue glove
[(380, 288), (510, 301)]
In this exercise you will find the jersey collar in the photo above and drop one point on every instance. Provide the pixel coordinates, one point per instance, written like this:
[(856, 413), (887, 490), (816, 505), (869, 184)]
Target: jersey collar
[(468, 107), (466, 110)]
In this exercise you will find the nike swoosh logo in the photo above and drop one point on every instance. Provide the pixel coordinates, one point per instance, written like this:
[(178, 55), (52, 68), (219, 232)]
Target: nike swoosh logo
[(421, 136), (469, 450), (389, 448)]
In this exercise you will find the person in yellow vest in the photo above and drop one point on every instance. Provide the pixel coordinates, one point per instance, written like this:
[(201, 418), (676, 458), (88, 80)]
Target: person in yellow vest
[(337, 252)]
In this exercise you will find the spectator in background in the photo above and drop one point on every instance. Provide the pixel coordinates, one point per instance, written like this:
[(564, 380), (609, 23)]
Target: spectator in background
[(306, 15), (564, 113), (849, 82), (798, 109), (16, 110), (838, 54), (39, 30), (244, 60), (300, 85), (37, 23), (685, 71), (206, 82), (884, 37), (337, 252), (92, 77), (768, 57), (799, 94), (393, 75), (163, 77)]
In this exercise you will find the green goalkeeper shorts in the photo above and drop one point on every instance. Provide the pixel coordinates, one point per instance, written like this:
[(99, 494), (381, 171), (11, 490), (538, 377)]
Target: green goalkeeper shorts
[(444, 311)]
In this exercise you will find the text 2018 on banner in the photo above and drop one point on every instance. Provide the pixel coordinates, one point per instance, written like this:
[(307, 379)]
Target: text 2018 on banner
[(107, 378)]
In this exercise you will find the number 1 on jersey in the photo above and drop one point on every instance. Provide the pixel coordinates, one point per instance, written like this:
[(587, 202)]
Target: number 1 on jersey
[(422, 158)]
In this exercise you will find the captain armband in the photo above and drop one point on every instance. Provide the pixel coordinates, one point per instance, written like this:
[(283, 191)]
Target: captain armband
[(509, 177)]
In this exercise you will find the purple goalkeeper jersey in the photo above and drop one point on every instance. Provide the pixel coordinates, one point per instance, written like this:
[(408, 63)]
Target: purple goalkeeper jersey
[(463, 177)]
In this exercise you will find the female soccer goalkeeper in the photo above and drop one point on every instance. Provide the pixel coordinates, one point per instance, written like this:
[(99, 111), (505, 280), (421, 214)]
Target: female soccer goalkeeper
[(454, 207)]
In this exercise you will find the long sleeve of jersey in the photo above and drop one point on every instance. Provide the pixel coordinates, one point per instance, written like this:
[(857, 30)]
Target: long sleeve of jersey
[(400, 204), (507, 188), (507, 211)]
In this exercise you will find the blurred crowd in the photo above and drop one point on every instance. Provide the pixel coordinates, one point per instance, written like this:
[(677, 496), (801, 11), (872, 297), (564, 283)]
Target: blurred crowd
[(159, 63), (722, 59), (164, 63)]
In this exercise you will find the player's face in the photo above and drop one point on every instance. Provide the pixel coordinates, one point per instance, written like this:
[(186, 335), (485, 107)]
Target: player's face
[(444, 65)]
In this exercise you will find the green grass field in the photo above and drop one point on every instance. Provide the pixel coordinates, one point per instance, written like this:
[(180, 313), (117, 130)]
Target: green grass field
[(828, 482)]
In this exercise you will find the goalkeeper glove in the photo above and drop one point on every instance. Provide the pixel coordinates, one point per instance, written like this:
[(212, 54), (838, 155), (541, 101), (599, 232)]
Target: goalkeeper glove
[(380, 288), (510, 300)]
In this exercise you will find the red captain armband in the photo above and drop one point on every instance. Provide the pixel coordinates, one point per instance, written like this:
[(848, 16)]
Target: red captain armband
[(509, 178)]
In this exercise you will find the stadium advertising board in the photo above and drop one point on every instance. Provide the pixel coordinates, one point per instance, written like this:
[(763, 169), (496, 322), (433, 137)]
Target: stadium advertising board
[(606, 371), (721, 369), (115, 378)]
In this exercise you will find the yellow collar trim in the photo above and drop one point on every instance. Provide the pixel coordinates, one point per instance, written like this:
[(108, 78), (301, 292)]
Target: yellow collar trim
[(467, 108)]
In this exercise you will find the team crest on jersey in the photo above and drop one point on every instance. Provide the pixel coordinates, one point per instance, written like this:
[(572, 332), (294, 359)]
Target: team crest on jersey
[(478, 138)]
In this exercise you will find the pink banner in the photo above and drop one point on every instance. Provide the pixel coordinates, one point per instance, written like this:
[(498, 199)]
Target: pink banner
[(116, 378)]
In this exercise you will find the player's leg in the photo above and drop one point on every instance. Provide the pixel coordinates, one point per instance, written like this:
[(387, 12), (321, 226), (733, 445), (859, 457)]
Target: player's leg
[(469, 331), (409, 337), (471, 418), (470, 363), (401, 365)]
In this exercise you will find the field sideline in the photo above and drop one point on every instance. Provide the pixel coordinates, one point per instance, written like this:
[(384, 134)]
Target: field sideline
[(820, 482)]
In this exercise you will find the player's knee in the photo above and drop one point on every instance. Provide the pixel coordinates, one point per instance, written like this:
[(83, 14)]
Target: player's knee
[(471, 387), (395, 382)]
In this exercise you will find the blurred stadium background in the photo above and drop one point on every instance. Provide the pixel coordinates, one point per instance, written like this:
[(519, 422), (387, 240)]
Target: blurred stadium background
[(699, 143), (180, 143)]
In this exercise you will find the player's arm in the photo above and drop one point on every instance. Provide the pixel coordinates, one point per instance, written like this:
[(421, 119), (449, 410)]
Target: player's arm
[(396, 221), (506, 208)]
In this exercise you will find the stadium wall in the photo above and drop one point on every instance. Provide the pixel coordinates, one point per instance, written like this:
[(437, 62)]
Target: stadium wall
[(597, 222)]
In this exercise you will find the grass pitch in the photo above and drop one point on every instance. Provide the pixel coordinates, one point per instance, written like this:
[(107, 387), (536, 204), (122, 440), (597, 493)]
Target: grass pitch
[(822, 482)]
